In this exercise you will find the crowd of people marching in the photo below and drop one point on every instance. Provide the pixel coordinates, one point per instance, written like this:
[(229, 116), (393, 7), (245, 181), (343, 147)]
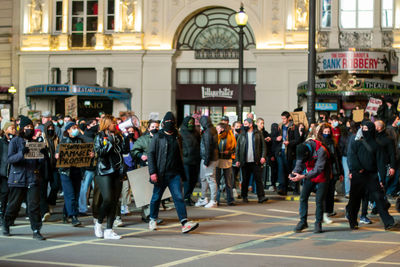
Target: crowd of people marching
[(334, 156)]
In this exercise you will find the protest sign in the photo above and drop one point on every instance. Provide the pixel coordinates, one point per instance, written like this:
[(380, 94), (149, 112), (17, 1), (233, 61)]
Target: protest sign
[(71, 106), (299, 117), (34, 150), (141, 187), (74, 155), (358, 115), (373, 105)]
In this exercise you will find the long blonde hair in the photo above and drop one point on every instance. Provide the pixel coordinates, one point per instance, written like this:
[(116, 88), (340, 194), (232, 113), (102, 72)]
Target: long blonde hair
[(105, 123)]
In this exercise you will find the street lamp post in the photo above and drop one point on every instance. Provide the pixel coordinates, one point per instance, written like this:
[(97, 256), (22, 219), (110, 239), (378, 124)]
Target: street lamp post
[(241, 20), (311, 63), (12, 90)]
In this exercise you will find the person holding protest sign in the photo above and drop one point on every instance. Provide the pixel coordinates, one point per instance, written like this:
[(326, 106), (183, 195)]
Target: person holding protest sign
[(109, 145), (23, 181), (71, 176)]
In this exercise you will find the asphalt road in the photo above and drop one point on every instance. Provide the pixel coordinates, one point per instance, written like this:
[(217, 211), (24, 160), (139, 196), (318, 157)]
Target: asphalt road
[(244, 235)]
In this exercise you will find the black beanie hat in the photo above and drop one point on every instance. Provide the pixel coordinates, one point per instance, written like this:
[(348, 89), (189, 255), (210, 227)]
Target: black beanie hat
[(24, 121), (302, 152), (169, 116)]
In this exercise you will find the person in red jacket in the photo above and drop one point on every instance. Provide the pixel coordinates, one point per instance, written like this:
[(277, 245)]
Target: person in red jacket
[(335, 129), (311, 158)]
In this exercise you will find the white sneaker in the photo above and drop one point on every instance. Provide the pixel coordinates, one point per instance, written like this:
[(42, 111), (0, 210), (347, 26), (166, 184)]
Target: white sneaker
[(189, 226), (46, 217), (326, 219), (98, 231), (118, 222), (235, 194), (211, 204), (110, 234), (201, 202), (152, 225)]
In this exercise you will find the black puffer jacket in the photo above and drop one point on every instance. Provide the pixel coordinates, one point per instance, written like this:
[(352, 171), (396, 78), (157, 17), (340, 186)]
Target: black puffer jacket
[(158, 155), (190, 143), (4, 166), (386, 152), (109, 150), (209, 141)]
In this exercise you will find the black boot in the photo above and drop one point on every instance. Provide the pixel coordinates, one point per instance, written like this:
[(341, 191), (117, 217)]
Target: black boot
[(300, 227), (38, 236), (318, 228), (65, 219), (6, 229), (75, 222)]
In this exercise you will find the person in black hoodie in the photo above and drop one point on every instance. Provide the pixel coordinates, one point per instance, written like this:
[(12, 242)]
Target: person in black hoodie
[(166, 170), (364, 174), (271, 152), (9, 132), (191, 157)]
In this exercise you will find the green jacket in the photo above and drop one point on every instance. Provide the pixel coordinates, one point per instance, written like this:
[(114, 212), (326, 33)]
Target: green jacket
[(140, 148), (259, 148)]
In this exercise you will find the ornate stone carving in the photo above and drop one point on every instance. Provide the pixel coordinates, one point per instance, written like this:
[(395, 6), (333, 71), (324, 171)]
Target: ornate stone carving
[(355, 39), (275, 18), (323, 39), (344, 82), (301, 21), (154, 17), (54, 42), (128, 12), (36, 14), (108, 41), (387, 39)]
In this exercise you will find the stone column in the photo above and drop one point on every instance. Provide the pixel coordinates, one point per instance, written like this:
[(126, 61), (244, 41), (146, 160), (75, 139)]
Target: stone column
[(376, 31), (335, 16)]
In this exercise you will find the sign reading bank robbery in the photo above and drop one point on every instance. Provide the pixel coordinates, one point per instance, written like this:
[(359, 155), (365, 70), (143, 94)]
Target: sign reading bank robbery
[(357, 62), (74, 155)]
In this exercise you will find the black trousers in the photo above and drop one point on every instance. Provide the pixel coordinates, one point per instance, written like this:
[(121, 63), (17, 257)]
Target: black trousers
[(359, 184), (3, 195), (248, 169), (55, 186), (308, 187), (192, 176), (235, 176), (15, 198), (110, 187), (329, 201), (44, 206)]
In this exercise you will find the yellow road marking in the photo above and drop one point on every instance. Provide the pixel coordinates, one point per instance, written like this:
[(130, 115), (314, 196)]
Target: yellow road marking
[(377, 258), (284, 211), (259, 215)]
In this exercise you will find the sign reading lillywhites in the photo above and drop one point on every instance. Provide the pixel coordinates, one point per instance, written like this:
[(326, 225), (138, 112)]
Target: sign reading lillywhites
[(74, 155), (358, 61)]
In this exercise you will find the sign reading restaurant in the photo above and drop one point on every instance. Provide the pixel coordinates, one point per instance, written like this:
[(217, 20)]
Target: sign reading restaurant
[(357, 61)]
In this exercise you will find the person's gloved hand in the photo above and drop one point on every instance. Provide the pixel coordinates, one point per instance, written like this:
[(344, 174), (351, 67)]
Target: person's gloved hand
[(25, 150)]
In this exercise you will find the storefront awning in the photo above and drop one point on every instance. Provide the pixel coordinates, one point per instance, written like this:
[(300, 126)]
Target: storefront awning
[(350, 85), (121, 94)]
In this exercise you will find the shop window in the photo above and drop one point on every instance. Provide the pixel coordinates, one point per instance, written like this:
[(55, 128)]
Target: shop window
[(58, 12), (236, 76), (110, 15), (326, 13), (183, 76), (387, 13), (84, 76), (84, 23), (55, 76), (251, 76), (356, 14), (211, 77), (225, 76), (196, 76)]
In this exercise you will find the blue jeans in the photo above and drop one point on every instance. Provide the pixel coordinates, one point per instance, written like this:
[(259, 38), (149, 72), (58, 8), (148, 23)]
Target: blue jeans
[(346, 176), (71, 186), (173, 182), (87, 180), (392, 184), (283, 170)]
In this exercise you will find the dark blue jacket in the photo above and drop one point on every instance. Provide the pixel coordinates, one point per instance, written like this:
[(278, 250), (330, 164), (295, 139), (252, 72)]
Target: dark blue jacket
[(23, 172)]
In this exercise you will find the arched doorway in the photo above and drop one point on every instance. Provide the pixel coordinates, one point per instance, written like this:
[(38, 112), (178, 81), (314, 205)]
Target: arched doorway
[(209, 86)]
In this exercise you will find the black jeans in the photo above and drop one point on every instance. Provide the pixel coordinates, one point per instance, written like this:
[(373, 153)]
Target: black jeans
[(55, 186), (192, 176), (248, 169), (359, 184), (15, 198), (110, 187), (330, 196), (44, 206), (3, 194), (308, 187), (235, 176)]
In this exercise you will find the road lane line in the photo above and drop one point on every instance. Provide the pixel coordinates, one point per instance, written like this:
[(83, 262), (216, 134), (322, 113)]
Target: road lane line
[(284, 211), (56, 263), (375, 259)]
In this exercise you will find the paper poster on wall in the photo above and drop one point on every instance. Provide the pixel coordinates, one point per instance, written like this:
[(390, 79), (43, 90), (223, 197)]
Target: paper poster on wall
[(71, 106)]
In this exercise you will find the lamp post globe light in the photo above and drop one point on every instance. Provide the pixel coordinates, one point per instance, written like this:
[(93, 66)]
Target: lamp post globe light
[(241, 20)]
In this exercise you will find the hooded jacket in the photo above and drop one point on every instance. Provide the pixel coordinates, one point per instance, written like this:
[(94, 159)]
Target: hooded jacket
[(386, 152), (190, 143), (209, 141)]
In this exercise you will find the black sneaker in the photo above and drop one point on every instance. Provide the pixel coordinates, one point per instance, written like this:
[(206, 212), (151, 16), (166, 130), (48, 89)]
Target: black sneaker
[(300, 227), (263, 199), (245, 200), (6, 230), (282, 192), (398, 204), (38, 236), (393, 227), (75, 222), (231, 204), (318, 228)]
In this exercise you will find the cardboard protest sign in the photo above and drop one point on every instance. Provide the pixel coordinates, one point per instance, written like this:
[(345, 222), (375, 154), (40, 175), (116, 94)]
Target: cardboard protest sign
[(142, 189), (71, 106), (299, 117), (373, 105), (74, 155), (358, 115), (34, 150)]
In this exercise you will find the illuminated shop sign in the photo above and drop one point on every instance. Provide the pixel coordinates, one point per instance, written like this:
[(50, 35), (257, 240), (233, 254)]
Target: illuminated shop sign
[(326, 106), (357, 61)]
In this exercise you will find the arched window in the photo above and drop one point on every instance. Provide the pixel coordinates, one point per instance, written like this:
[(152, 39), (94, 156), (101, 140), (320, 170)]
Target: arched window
[(213, 29)]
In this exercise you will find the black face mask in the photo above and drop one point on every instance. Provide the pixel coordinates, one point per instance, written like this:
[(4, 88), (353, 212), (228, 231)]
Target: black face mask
[(367, 134), (237, 130), (131, 136), (28, 133), (169, 126), (246, 128), (154, 131), (82, 126), (50, 133)]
